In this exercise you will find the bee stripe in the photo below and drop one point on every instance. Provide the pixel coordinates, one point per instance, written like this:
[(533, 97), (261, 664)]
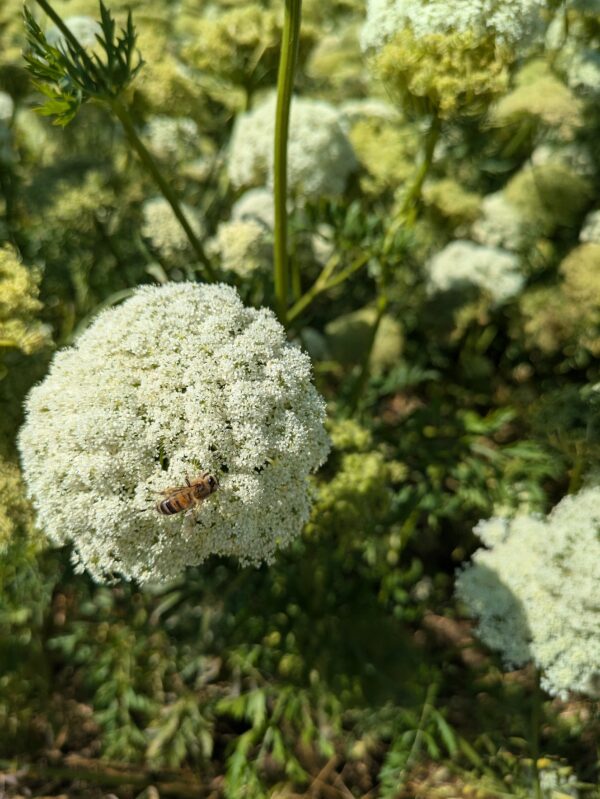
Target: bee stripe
[(168, 507)]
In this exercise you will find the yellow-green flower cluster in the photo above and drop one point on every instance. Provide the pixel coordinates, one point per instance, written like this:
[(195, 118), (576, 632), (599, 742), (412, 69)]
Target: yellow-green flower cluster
[(567, 316), (16, 512), (447, 58), (337, 62), (166, 84), (548, 196), (443, 73), (386, 149), (357, 496), (19, 305), (451, 201), (540, 97), (231, 44)]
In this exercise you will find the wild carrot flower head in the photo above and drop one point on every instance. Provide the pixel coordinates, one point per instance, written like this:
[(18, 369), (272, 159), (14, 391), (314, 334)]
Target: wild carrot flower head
[(508, 20), (162, 228), (447, 57), (320, 157), (493, 270), (177, 381), (535, 591)]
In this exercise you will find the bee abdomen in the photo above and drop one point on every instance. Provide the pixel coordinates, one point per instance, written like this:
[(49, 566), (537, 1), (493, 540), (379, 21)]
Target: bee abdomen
[(168, 507)]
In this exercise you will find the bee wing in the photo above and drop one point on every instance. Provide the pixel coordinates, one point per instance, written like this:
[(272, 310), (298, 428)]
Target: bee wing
[(167, 492)]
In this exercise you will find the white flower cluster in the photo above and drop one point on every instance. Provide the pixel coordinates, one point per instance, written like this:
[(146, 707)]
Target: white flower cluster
[(590, 232), (574, 56), (323, 243), (536, 592), (464, 262), (583, 72), (6, 107), (162, 228), (243, 246), (574, 156), (169, 137), (320, 157), (255, 205), (84, 28), (508, 20), (556, 785), (177, 380), (6, 112), (501, 224)]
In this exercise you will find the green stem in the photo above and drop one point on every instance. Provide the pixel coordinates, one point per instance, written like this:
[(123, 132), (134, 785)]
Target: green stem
[(413, 194), (431, 139), (363, 376), (285, 83), (295, 275), (69, 35), (121, 112), (124, 117), (406, 213), (428, 706), (324, 283), (357, 264), (576, 473), (536, 715), (317, 287)]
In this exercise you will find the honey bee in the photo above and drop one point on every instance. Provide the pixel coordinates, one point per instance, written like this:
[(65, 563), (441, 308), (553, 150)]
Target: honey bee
[(181, 498)]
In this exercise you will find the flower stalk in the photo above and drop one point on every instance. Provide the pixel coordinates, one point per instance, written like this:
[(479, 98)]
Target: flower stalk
[(536, 717), (406, 214), (326, 280), (121, 111), (71, 76), (285, 84)]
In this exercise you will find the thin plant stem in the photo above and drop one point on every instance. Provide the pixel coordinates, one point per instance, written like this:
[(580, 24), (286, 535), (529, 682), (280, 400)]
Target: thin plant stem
[(363, 375), (412, 196), (317, 287), (285, 84), (68, 34), (428, 706), (295, 278), (536, 717), (576, 472), (121, 111), (325, 282), (430, 141), (357, 264), (406, 214)]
